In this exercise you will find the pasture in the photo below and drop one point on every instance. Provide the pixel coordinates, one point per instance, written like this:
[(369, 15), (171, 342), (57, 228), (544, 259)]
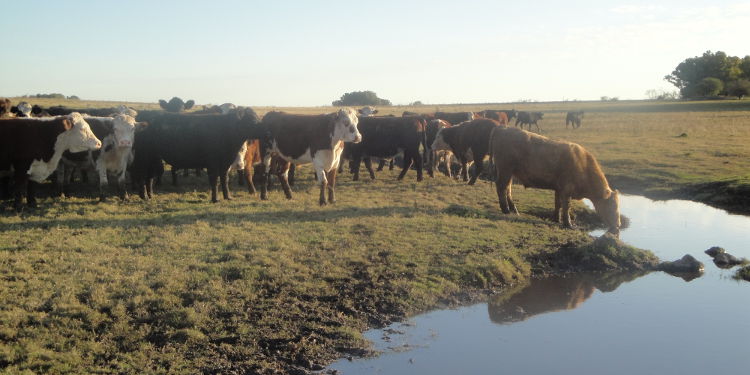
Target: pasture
[(180, 285)]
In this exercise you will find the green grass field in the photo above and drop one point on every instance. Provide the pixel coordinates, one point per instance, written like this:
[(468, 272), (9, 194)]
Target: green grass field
[(178, 285)]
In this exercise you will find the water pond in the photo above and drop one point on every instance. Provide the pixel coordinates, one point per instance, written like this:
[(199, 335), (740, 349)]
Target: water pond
[(595, 324)]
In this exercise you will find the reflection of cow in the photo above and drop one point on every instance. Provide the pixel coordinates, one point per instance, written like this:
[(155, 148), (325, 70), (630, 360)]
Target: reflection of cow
[(539, 162), (574, 119), (552, 294), (529, 118)]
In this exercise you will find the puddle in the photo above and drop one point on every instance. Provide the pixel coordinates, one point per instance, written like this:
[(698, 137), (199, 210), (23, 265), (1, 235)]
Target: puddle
[(595, 324)]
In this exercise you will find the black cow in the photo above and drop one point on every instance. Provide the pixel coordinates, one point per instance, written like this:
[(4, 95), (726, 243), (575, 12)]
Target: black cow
[(469, 141), (573, 118), (494, 114), (528, 118), (386, 137), (192, 141), (176, 105)]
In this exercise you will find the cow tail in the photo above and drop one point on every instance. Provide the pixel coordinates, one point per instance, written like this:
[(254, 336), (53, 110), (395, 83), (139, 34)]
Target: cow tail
[(491, 165), (423, 141)]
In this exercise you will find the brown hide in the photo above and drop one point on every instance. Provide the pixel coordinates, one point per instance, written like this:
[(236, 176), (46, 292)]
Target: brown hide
[(539, 162)]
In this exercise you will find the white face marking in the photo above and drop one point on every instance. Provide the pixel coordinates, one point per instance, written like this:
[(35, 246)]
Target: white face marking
[(439, 143), (123, 110), (123, 127), (79, 138), (226, 108), (25, 109), (345, 128)]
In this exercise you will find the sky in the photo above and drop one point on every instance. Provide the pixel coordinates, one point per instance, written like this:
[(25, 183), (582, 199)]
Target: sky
[(309, 53)]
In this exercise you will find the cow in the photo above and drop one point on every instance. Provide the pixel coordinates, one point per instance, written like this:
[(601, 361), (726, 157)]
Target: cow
[(192, 141), (499, 115), (574, 119), (528, 118), (117, 136), (567, 168), (455, 118), (434, 156), (316, 139), (367, 111), (22, 109), (386, 137), (5, 106), (33, 148), (468, 142), (176, 105), (98, 112)]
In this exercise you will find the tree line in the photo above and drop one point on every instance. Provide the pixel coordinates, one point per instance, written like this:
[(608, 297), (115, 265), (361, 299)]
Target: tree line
[(712, 74), (52, 96)]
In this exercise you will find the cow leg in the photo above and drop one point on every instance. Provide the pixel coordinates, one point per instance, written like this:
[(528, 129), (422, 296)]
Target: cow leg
[(391, 164), (449, 164), (60, 180), (149, 187), (213, 183), (354, 167), (224, 180), (381, 164), (31, 193), (558, 206), (565, 202), (408, 161), (248, 176), (5, 187), (331, 176), (323, 186), (478, 166), (283, 175), (418, 161), (122, 189), (174, 176), (240, 177), (102, 172), (368, 165), (292, 172), (464, 170), (263, 178)]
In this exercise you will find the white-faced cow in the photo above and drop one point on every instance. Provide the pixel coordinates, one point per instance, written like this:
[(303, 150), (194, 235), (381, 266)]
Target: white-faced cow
[(117, 136), (316, 139), (567, 168), (32, 148)]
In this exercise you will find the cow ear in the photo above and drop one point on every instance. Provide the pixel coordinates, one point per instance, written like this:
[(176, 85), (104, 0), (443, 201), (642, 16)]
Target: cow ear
[(189, 104), (36, 109), (14, 109), (67, 124), (163, 104)]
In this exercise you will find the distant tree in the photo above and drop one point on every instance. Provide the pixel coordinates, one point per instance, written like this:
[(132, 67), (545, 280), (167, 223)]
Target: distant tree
[(709, 86), (739, 88), (416, 103), (662, 95), (609, 99), (689, 75), (356, 98), (74, 97)]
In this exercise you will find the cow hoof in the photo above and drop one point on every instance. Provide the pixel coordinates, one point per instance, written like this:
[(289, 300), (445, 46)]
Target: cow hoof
[(323, 203)]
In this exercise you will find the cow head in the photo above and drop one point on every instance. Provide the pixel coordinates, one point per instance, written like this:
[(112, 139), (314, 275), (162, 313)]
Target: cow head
[(23, 109), (608, 210), (227, 108), (345, 126), (5, 106), (367, 111), (125, 110), (176, 105), (123, 130), (439, 143), (79, 137)]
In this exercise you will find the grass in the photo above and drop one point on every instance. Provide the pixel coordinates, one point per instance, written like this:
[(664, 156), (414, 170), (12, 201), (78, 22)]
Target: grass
[(179, 285)]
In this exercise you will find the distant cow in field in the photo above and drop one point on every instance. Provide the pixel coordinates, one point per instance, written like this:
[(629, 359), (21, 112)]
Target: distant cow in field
[(574, 119), (386, 137), (566, 168), (468, 142), (529, 118), (192, 141), (176, 105), (367, 111), (32, 148), (454, 117), (316, 139)]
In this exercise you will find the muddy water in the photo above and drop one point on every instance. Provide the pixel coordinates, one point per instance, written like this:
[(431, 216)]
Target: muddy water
[(595, 324)]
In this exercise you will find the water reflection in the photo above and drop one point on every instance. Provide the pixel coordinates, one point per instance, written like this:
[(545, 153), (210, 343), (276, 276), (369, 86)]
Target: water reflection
[(552, 294)]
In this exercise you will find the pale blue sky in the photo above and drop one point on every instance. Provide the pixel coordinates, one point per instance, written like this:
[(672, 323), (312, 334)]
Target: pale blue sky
[(306, 53)]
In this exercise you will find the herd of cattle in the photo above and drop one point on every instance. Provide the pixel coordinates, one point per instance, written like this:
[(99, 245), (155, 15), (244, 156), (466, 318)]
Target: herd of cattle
[(37, 142)]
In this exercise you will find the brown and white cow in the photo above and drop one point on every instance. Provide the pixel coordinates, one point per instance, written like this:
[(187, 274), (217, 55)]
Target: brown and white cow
[(316, 139), (434, 157), (567, 168), (468, 142), (33, 148)]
